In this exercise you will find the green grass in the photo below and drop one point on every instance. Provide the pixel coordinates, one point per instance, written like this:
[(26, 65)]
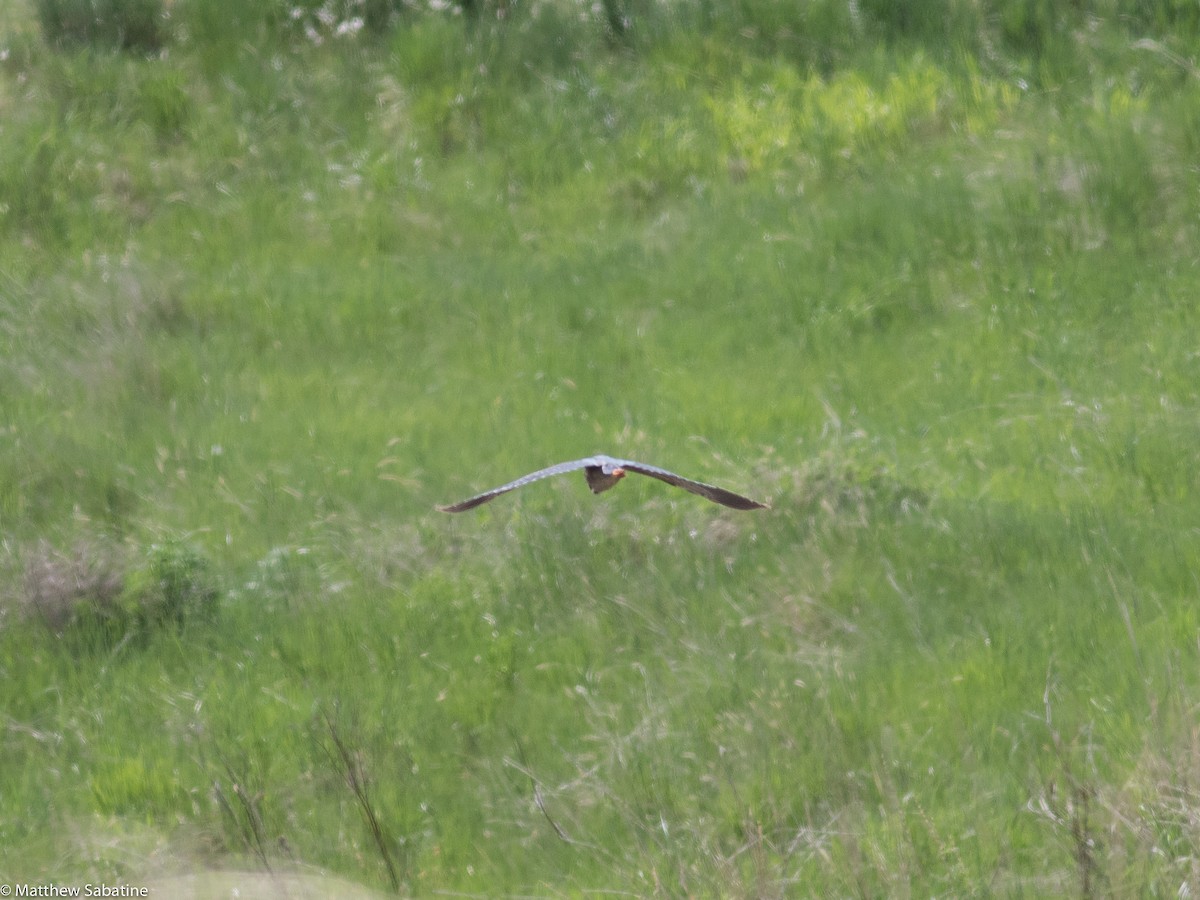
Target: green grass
[(925, 282)]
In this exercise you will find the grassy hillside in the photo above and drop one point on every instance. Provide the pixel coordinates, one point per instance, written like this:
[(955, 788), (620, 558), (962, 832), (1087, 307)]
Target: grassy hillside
[(922, 276)]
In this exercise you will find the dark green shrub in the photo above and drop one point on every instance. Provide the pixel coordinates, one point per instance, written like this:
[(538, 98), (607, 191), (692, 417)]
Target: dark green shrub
[(177, 585), (124, 24)]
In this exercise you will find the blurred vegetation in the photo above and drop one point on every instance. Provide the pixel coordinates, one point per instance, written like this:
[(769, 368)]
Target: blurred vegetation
[(277, 277), (135, 25)]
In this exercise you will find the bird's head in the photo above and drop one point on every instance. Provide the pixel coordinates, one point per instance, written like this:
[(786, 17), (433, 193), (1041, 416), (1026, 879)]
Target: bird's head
[(611, 468)]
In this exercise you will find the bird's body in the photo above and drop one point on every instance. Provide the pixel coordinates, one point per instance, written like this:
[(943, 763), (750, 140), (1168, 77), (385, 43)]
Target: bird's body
[(603, 472)]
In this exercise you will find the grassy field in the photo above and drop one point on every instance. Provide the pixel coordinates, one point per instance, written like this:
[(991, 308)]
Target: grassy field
[(922, 276)]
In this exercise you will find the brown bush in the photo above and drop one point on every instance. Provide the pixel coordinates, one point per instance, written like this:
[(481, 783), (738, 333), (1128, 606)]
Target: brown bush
[(60, 587)]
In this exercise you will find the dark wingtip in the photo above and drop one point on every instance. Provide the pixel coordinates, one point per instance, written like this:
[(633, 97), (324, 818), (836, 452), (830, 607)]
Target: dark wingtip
[(734, 501), (464, 505), (754, 504)]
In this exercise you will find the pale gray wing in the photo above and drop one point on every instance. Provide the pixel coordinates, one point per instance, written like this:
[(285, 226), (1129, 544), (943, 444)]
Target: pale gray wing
[(480, 499), (708, 491)]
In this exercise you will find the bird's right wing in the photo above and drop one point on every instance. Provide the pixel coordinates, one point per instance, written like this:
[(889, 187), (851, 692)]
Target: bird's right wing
[(480, 499)]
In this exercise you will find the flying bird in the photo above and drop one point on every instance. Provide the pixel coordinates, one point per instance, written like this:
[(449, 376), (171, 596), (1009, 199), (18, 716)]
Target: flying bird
[(602, 472)]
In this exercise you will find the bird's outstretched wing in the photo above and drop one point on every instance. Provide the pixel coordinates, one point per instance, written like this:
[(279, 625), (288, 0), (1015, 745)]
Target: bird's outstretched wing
[(708, 491), (559, 469), (608, 463)]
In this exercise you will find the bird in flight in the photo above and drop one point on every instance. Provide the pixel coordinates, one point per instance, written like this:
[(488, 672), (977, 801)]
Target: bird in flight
[(603, 472)]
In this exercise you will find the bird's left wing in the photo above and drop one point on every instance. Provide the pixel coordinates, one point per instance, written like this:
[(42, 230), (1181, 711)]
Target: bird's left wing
[(480, 499), (708, 491)]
